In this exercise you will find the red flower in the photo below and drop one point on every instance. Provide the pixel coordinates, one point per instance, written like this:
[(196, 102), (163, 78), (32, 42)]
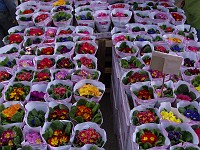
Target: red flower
[(25, 76), (65, 63), (47, 51), (86, 48), (146, 117), (28, 11), (35, 32), (86, 62), (161, 49), (137, 77), (41, 17), (15, 38), (69, 31), (148, 137), (144, 95), (59, 90), (45, 63), (177, 16), (4, 76), (198, 132), (156, 74), (42, 76)]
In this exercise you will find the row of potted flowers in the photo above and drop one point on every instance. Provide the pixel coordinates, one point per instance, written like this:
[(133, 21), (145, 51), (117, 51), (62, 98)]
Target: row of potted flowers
[(54, 135)]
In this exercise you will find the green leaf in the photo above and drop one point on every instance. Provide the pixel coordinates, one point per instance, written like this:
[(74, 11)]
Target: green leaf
[(18, 117), (95, 108), (18, 131), (48, 133), (6, 148), (181, 110), (68, 128), (57, 125), (79, 119)]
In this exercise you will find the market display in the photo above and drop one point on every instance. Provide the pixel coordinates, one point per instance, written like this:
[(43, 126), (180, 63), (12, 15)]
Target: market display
[(49, 82)]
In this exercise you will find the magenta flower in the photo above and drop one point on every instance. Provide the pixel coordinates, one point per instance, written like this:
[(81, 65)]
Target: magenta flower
[(184, 97), (61, 75), (33, 138), (85, 74), (26, 63)]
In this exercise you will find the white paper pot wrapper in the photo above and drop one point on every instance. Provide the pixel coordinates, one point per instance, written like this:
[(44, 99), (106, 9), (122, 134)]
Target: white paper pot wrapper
[(173, 36), (142, 108), (83, 8), (90, 42), (5, 49), (35, 105), (169, 84), (120, 21), (140, 45), (123, 5), (137, 87), (65, 28), (84, 28), (118, 30), (63, 82), (99, 5), (45, 127), (39, 58), (167, 106), (152, 126), (184, 127), (184, 104), (98, 84), (24, 23), (16, 28), (87, 125), (79, 56), (44, 22), (44, 8), (102, 23), (130, 26), (139, 19), (69, 45), (70, 9), (25, 83), (77, 78), (28, 3), (2, 97), (86, 147), (27, 130), (130, 45), (187, 27), (63, 23), (8, 104)]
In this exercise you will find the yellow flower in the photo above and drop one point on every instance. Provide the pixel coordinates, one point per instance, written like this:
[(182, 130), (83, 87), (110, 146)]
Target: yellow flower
[(176, 40), (89, 90), (59, 3), (198, 88), (169, 116), (16, 94)]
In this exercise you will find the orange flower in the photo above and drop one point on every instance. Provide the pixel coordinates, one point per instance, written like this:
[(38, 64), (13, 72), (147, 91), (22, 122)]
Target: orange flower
[(10, 111)]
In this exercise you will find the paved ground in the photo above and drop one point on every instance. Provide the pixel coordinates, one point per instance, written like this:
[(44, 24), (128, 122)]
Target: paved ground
[(108, 123)]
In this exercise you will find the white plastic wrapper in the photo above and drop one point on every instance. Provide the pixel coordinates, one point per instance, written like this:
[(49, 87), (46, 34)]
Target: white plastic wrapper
[(62, 23), (186, 27), (184, 145), (184, 127), (140, 45), (44, 8), (139, 19), (27, 130), (5, 49), (86, 125), (1, 91), (28, 3), (84, 30), (68, 7), (167, 107), (118, 30), (120, 21), (83, 8), (11, 58), (88, 56), (38, 106), (99, 5), (155, 20), (130, 45), (151, 126), (130, 27), (98, 84), (45, 127), (22, 62), (17, 29), (55, 82), (102, 22), (84, 38)]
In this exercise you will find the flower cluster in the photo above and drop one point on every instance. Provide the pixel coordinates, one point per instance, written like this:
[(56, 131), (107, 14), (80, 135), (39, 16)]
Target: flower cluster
[(177, 16), (14, 38), (143, 117), (193, 48), (87, 136), (86, 74), (11, 114), (62, 49), (147, 60), (196, 83), (17, 92), (153, 31), (161, 48), (87, 62), (35, 32), (174, 40), (43, 75), (46, 51), (89, 91), (33, 138), (7, 62), (45, 63), (32, 41), (183, 93), (61, 16), (4, 76), (156, 74), (59, 91), (64, 39), (26, 63), (41, 18), (133, 62), (145, 93), (62, 75), (24, 75), (59, 112), (191, 72), (169, 116), (190, 112), (85, 48), (176, 48), (65, 63), (132, 77), (126, 48), (188, 62), (87, 16), (37, 96), (67, 31), (166, 28)]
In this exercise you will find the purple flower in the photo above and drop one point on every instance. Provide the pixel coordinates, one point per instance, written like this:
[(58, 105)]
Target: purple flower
[(61, 75), (37, 96), (33, 138), (85, 74), (192, 114), (174, 135)]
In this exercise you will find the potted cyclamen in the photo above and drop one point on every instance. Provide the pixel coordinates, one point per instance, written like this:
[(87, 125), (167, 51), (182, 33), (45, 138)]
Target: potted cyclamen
[(61, 19)]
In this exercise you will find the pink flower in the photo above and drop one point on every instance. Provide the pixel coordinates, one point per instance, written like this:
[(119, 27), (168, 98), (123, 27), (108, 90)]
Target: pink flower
[(33, 138), (119, 14), (120, 38), (25, 63), (184, 97), (102, 14), (61, 75)]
